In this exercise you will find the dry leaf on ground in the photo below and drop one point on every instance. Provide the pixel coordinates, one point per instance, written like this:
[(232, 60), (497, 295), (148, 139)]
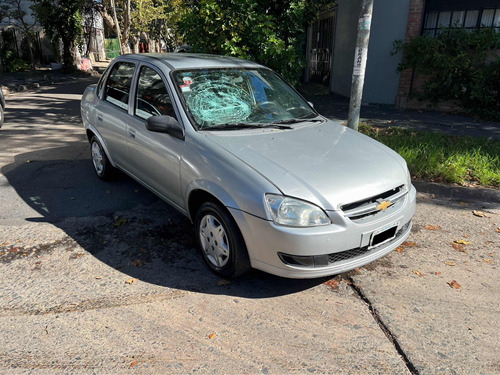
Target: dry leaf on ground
[(453, 284), (211, 336), (433, 227), (138, 263), (130, 281), (462, 242), (133, 364), (490, 261), (498, 230), (458, 247), (479, 213), (418, 273), (450, 263), (223, 282), (332, 283), (465, 204)]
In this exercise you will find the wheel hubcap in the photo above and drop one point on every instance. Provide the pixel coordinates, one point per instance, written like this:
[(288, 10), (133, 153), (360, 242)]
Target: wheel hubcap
[(214, 241), (97, 158)]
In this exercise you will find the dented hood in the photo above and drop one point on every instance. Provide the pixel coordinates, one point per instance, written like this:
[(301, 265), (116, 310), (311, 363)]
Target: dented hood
[(327, 163)]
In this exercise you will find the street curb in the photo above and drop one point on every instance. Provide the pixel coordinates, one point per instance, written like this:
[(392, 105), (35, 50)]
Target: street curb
[(458, 192)]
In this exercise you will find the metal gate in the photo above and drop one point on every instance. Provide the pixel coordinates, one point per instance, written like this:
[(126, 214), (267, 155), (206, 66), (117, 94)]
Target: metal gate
[(321, 48)]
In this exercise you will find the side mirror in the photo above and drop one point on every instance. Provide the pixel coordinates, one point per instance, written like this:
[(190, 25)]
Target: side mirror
[(165, 124)]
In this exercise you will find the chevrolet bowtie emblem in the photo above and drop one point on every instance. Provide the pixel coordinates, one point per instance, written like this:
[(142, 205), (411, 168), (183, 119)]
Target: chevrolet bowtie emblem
[(384, 205)]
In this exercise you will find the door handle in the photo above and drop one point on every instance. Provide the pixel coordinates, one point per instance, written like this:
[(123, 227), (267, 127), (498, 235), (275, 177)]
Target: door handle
[(99, 118), (132, 134)]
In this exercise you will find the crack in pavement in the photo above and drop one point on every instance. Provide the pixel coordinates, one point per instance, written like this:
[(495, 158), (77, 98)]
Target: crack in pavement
[(357, 290)]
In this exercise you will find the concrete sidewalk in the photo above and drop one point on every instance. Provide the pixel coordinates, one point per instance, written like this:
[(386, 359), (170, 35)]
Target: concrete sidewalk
[(337, 108)]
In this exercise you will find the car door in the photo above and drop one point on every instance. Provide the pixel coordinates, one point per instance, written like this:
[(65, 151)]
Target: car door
[(154, 158), (112, 111)]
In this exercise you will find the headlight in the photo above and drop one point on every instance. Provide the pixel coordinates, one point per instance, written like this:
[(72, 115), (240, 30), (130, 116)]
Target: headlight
[(294, 212)]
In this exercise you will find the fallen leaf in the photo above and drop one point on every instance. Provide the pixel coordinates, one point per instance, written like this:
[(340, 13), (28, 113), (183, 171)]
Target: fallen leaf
[(433, 227), (408, 244), (332, 283), (138, 263), (437, 273), (454, 284), (223, 282), (98, 277), (490, 261), (462, 242), (466, 235), (211, 336), (463, 204), (490, 254), (130, 281), (450, 263), (418, 273), (458, 247), (498, 230), (400, 249), (120, 222), (479, 213), (133, 364)]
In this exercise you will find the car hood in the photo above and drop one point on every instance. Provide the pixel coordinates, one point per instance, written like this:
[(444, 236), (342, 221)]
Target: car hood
[(327, 164)]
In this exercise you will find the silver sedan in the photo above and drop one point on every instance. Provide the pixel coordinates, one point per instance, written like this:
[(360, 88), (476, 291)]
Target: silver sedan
[(267, 181)]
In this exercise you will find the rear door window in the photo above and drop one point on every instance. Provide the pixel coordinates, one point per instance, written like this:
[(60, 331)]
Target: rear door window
[(117, 89)]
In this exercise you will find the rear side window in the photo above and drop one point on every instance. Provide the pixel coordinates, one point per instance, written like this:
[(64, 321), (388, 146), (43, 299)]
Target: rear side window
[(152, 97), (117, 89)]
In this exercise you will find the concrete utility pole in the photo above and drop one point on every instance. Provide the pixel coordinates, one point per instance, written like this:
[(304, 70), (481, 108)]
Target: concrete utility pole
[(358, 73)]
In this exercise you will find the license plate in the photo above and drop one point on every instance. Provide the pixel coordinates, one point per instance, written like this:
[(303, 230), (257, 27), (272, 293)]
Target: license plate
[(383, 235)]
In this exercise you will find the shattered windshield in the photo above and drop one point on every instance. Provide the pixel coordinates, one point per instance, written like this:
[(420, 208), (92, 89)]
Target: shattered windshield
[(220, 98)]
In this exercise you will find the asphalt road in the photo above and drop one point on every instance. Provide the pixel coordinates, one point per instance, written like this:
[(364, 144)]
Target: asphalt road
[(103, 278)]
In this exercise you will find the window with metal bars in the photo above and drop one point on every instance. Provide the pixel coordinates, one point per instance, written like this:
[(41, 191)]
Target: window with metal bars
[(469, 19)]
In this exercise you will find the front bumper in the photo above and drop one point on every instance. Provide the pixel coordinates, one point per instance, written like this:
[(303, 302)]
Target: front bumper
[(345, 244)]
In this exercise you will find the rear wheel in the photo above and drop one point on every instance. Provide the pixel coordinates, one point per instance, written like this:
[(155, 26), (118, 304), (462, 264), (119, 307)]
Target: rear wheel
[(102, 166), (220, 241)]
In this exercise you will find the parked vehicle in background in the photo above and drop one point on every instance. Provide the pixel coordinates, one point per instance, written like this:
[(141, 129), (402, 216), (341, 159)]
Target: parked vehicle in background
[(267, 181), (2, 107)]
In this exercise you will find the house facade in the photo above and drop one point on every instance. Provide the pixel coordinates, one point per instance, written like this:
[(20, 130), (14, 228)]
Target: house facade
[(331, 42)]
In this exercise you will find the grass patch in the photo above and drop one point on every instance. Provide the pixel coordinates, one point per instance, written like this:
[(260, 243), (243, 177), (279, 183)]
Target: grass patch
[(443, 158)]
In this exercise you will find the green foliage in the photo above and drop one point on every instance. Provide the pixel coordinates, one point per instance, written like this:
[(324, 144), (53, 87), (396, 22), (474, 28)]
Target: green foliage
[(268, 32), (62, 19), (13, 63), (460, 65), (442, 158)]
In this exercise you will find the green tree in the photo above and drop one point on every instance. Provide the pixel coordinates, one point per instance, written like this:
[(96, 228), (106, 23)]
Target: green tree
[(16, 13), (269, 32), (62, 19)]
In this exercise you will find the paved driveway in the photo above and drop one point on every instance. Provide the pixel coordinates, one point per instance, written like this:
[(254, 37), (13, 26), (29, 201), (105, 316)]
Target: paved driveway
[(103, 278)]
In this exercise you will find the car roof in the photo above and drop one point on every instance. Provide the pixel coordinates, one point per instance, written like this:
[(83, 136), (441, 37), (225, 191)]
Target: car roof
[(193, 60)]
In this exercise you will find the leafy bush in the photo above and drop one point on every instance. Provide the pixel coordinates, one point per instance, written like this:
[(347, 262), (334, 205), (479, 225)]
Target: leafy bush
[(13, 63), (271, 33), (459, 64)]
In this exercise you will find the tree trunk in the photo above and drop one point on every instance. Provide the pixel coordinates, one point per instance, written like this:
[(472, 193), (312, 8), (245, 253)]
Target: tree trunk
[(116, 25), (136, 39), (126, 28)]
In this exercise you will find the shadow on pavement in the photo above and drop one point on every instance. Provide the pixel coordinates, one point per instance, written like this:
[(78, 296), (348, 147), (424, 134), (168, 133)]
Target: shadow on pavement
[(128, 228)]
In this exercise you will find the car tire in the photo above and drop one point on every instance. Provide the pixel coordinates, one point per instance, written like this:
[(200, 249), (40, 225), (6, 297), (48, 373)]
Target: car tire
[(1, 115), (220, 241), (100, 161)]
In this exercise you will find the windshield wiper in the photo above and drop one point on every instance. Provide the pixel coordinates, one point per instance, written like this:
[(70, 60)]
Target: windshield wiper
[(246, 125), (295, 121)]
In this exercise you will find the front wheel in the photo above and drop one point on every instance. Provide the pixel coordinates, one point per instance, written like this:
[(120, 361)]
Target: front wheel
[(102, 166), (220, 241)]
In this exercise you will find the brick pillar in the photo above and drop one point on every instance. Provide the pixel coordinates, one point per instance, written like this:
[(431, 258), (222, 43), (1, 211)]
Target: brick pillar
[(415, 20)]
